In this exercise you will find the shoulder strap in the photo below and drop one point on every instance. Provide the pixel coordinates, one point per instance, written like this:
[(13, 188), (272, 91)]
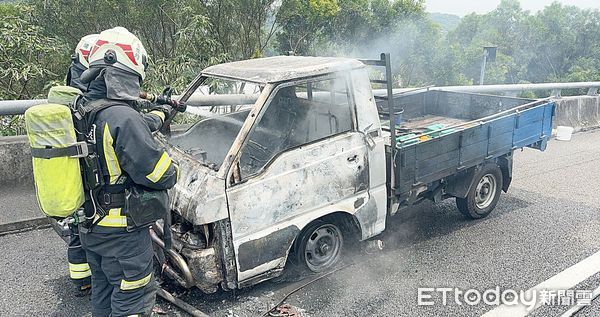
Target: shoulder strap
[(89, 110)]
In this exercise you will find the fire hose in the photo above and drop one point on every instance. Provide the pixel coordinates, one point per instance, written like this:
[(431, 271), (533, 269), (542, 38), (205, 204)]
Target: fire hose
[(166, 99), (369, 246), (181, 304)]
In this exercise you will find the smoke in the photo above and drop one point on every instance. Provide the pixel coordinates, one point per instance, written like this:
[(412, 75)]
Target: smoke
[(414, 47)]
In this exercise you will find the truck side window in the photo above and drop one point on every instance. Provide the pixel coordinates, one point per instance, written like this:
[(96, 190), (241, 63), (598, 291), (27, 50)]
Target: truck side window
[(297, 115)]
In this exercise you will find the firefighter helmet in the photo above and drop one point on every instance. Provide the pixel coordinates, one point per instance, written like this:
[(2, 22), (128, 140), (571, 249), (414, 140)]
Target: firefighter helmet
[(82, 51), (119, 48)]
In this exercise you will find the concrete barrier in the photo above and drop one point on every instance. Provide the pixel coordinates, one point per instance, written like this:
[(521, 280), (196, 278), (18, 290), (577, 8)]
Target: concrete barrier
[(15, 161), (18, 204), (580, 112), (15, 158)]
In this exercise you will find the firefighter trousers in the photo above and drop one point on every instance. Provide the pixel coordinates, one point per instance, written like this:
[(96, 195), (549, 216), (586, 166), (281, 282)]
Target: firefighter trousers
[(79, 270), (122, 272)]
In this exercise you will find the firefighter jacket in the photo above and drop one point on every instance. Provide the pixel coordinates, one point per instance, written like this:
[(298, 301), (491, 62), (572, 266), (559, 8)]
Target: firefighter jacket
[(129, 154)]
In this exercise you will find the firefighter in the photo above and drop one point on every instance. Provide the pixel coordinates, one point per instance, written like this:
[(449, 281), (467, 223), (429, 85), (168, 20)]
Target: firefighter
[(79, 270), (136, 173)]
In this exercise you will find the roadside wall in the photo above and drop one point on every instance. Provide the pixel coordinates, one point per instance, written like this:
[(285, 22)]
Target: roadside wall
[(15, 161), (580, 112), (15, 158)]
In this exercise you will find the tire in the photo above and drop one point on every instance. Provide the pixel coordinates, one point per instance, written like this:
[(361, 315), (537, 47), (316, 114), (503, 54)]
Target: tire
[(319, 246), (483, 195)]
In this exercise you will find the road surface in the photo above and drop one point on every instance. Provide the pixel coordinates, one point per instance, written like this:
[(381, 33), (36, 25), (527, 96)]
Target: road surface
[(548, 223)]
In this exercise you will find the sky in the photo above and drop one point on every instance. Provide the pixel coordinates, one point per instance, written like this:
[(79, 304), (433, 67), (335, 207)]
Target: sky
[(464, 7)]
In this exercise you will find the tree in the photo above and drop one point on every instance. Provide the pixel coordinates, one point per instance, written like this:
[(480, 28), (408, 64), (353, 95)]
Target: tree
[(29, 59), (181, 36), (506, 27), (448, 22), (557, 44), (304, 23), (173, 32), (565, 34), (238, 26)]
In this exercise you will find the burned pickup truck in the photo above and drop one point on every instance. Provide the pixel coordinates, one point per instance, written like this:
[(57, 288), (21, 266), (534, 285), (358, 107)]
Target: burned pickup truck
[(316, 161)]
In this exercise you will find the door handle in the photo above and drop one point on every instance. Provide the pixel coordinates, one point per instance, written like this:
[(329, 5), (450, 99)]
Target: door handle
[(370, 136), (353, 158)]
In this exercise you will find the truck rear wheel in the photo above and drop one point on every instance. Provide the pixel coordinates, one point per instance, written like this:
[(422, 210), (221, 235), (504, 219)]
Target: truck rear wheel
[(319, 246), (483, 195)]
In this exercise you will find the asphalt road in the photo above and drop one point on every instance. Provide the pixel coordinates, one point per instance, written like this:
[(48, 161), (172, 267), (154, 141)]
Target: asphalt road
[(548, 222), (18, 203)]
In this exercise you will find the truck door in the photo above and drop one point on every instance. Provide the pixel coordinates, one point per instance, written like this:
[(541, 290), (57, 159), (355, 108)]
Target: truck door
[(302, 159)]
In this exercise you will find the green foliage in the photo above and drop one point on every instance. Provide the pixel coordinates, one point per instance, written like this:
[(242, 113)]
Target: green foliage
[(304, 22), (181, 36), (12, 125), (339, 26), (559, 43), (239, 27), (28, 58), (173, 32)]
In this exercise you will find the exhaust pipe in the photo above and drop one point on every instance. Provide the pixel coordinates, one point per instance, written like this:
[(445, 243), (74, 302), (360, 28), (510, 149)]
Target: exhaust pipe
[(187, 280)]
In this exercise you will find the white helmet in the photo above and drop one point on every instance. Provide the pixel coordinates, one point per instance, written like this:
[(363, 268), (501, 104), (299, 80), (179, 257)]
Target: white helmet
[(120, 48), (82, 51)]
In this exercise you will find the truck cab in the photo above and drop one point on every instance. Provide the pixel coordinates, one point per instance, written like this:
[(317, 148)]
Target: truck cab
[(296, 172)]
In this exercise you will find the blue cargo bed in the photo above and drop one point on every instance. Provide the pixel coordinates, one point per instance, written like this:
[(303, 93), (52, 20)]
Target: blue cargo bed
[(444, 133)]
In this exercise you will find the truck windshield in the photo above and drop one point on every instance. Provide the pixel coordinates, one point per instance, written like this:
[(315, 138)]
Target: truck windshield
[(223, 106)]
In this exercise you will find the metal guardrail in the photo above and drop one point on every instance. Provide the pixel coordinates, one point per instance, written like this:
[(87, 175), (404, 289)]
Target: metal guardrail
[(510, 90), (16, 107), (556, 88), (196, 101), (12, 107)]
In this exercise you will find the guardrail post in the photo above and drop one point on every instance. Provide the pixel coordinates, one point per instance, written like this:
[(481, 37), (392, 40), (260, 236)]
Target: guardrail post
[(557, 93)]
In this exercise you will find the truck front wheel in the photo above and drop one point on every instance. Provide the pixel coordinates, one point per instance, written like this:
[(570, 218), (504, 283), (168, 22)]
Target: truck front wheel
[(319, 246), (483, 195)]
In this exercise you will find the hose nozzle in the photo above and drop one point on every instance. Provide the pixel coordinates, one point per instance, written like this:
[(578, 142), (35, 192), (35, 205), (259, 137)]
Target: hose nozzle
[(164, 99)]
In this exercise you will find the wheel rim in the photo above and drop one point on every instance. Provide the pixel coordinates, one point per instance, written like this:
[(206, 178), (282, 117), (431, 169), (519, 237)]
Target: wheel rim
[(323, 247), (486, 190)]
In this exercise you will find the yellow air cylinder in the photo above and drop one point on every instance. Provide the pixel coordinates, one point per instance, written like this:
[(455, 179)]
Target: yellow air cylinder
[(58, 181)]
